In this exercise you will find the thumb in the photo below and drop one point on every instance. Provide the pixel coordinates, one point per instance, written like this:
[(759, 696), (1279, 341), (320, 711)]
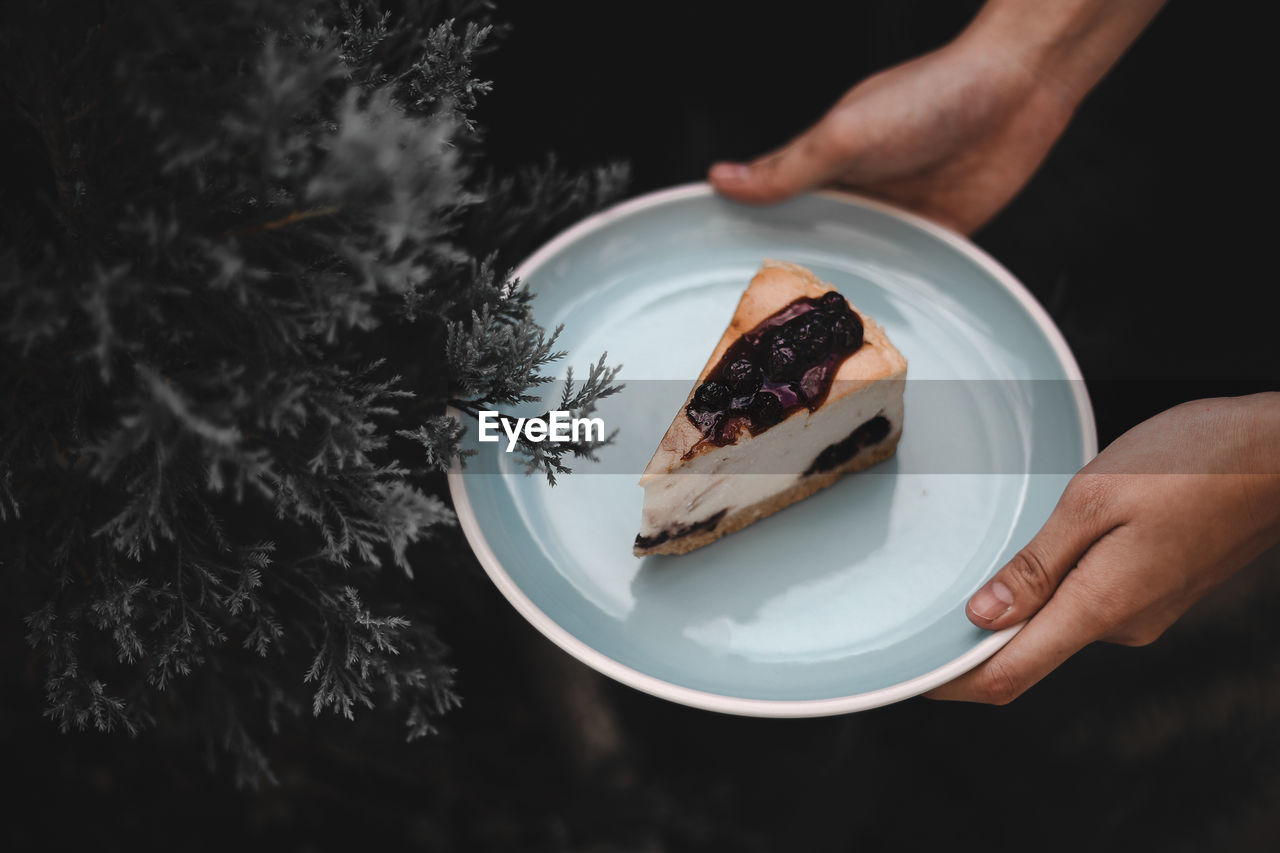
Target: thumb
[(1029, 580), (806, 162)]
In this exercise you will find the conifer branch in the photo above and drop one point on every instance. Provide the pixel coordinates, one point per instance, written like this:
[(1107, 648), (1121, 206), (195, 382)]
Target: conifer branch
[(211, 449)]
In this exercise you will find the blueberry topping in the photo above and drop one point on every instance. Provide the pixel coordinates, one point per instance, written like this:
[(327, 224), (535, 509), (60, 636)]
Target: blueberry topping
[(846, 331), (765, 409), (785, 362), (743, 377), (778, 337), (833, 301), (710, 396), (812, 340), (781, 362)]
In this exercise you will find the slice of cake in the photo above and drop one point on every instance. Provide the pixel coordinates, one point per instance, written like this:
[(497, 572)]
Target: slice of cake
[(801, 390)]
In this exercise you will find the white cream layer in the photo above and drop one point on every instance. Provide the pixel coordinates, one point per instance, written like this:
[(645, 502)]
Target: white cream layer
[(728, 478)]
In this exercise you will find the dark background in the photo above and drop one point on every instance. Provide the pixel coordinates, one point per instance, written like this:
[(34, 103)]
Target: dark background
[(1148, 236)]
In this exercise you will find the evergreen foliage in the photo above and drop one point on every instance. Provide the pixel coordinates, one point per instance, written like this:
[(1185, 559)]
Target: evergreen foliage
[(249, 255)]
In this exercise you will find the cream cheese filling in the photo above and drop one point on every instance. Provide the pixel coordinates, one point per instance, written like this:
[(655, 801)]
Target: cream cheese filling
[(739, 475)]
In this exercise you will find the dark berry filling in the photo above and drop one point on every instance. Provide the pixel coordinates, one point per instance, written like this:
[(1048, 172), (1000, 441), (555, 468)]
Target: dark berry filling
[(847, 332), (711, 396), (743, 377), (786, 362), (676, 532), (832, 301), (765, 409), (781, 360), (869, 433)]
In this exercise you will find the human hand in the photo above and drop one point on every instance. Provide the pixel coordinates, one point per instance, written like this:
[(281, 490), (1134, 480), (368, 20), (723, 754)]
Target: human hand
[(951, 135), (1168, 511), (954, 134)]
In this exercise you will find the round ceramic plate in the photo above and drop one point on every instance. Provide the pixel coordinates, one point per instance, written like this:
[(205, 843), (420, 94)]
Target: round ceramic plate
[(852, 598)]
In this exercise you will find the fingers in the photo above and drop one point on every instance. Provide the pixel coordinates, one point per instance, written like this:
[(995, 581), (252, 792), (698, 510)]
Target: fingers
[(1029, 580), (1068, 623), (809, 161), (1067, 610)]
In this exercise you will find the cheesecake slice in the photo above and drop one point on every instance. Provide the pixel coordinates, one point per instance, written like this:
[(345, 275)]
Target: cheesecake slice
[(801, 389)]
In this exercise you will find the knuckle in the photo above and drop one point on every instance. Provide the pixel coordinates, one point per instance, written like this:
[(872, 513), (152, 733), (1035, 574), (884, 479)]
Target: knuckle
[(1028, 571), (997, 685), (845, 122), (1090, 497), (823, 144)]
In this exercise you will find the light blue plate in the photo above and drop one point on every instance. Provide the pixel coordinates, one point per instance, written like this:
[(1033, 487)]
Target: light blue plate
[(853, 598)]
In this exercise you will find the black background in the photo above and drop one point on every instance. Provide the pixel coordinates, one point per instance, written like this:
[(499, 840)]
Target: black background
[(1148, 235)]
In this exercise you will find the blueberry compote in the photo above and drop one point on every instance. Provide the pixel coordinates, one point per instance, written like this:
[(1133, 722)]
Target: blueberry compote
[(786, 362)]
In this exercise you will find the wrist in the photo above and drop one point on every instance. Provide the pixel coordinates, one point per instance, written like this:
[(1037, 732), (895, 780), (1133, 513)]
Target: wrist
[(1064, 47), (1258, 422), (1260, 427)]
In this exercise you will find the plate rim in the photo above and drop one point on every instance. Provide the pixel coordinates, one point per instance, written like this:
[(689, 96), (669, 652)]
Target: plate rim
[(738, 705)]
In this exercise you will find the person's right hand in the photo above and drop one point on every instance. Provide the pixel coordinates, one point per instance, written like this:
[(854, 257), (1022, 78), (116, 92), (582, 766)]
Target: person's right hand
[(952, 135)]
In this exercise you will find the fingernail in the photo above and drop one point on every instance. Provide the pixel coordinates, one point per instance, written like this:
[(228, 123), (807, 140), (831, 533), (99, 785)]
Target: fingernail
[(992, 601), (730, 172)]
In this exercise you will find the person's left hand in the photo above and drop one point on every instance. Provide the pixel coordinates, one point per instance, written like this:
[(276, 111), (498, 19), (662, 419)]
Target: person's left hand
[(1168, 511), (952, 135)]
